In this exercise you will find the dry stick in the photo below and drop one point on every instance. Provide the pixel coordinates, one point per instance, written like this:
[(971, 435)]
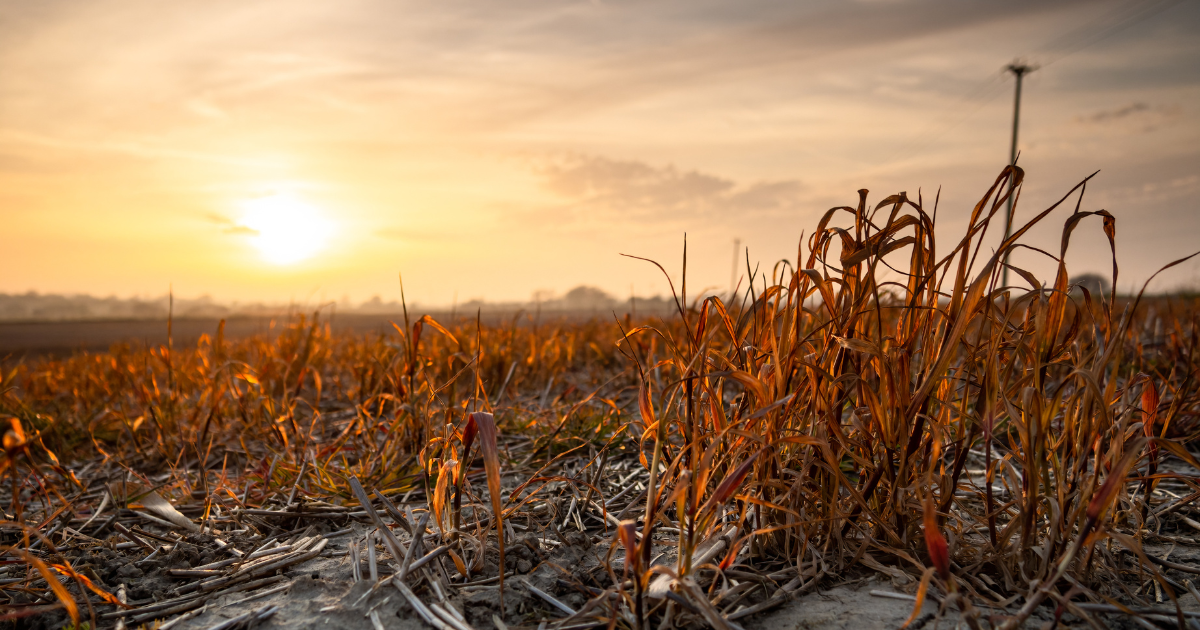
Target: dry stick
[(710, 614), (570, 511), (121, 597), (105, 525), (99, 511), (282, 513), (397, 517), (1107, 608), (389, 539), (596, 477), (739, 597), (259, 595), (419, 606), (265, 568), (197, 599), (371, 563), (549, 599), (167, 611), (181, 618), (603, 512), (227, 547), (623, 491), (249, 619), (394, 546), (512, 368), (591, 604), (632, 504), (141, 532), (192, 573), (418, 533), (485, 581), (1167, 509), (778, 598), (253, 556), (706, 551), (1173, 565), (449, 618), (296, 486), (298, 548), (130, 535), (429, 557), (454, 611)]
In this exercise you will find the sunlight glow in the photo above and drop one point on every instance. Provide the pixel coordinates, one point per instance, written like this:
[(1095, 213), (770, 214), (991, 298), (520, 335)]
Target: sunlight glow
[(286, 230)]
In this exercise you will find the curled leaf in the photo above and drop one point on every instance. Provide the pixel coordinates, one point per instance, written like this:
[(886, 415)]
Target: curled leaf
[(14, 435), (730, 484), (939, 551), (627, 534), (468, 439), (439, 491), (486, 425), (163, 508), (1116, 478), (732, 555), (1149, 406)]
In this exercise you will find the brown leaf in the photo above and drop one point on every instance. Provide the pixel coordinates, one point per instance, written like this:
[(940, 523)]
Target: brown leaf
[(486, 424), (163, 508), (939, 552)]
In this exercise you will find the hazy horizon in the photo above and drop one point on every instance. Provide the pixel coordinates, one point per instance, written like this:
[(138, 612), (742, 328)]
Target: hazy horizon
[(34, 307), (300, 151)]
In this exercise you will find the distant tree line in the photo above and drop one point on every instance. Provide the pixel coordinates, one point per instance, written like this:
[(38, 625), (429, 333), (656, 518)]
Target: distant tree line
[(34, 306)]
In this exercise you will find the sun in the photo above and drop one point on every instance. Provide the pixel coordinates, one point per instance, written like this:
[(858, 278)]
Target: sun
[(284, 228)]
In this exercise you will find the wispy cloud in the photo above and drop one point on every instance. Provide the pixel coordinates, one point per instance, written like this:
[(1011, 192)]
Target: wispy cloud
[(229, 226), (634, 189), (1140, 116)]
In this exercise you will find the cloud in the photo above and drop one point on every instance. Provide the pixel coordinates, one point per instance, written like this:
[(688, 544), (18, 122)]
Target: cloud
[(1115, 114), (229, 226), (1139, 116), (633, 189)]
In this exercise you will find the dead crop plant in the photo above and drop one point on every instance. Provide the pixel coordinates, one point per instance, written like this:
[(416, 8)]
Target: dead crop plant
[(890, 406)]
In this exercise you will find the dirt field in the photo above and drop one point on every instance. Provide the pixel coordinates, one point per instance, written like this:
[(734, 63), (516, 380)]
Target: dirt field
[(33, 339)]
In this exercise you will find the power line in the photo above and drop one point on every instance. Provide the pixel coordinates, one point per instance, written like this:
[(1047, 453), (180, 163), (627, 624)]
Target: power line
[(982, 94), (1122, 17), (1115, 20)]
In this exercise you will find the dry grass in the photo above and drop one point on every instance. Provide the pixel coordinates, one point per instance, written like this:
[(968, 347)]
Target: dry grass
[(1001, 445)]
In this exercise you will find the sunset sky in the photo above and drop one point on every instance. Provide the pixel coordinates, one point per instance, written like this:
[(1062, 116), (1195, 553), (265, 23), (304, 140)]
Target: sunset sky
[(304, 151)]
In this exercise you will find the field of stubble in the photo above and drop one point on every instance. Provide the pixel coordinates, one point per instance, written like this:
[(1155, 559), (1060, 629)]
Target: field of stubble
[(878, 423)]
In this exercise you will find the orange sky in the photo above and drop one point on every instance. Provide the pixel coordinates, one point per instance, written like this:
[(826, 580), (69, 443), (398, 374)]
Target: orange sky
[(490, 150)]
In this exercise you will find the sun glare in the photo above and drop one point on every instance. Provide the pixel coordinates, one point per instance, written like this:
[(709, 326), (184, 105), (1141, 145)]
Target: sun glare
[(286, 229)]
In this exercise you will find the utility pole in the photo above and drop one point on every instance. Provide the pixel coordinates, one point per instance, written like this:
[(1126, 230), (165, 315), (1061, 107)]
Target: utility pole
[(1019, 70)]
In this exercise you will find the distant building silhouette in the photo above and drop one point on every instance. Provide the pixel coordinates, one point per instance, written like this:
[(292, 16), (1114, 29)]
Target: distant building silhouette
[(1095, 283)]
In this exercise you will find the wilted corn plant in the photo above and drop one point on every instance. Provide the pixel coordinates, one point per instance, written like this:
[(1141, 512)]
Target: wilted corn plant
[(847, 402)]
